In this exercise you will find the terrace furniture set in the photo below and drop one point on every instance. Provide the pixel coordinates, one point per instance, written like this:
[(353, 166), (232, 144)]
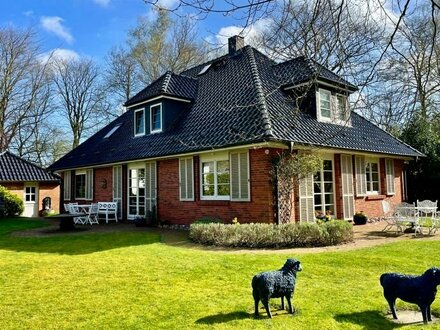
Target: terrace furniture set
[(91, 213), (422, 216)]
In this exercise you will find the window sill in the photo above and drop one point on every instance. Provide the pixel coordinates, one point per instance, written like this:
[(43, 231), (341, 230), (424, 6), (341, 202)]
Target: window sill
[(376, 197), (213, 202)]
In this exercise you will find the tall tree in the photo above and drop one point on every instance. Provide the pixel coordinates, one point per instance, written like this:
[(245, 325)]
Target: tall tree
[(80, 95), (163, 44), (24, 80)]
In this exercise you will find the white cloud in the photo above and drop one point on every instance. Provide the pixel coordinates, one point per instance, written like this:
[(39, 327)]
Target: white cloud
[(59, 54), (167, 4), (252, 33), (29, 13), (54, 24), (102, 3)]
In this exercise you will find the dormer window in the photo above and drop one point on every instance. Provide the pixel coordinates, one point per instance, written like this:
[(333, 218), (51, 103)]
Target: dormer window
[(332, 107), (139, 122), (156, 118)]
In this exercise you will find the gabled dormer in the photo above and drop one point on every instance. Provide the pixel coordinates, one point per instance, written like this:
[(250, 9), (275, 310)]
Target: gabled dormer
[(322, 93), (157, 108)]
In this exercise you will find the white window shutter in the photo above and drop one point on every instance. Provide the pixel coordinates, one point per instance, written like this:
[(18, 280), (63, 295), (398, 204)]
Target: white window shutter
[(239, 172), (347, 186), (333, 108), (306, 204), (150, 185), (89, 185), (389, 172), (361, 180), (67, 177), (186, 179)]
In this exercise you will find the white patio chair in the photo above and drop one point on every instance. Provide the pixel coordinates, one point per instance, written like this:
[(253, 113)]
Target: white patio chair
[(390, 217), (407, 215), (75, 209), (92, 215), (427, 212), (109, 209)]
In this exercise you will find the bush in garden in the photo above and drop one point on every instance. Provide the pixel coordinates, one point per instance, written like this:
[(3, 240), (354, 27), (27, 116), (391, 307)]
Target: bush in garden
[(260, 235), (13, 205)]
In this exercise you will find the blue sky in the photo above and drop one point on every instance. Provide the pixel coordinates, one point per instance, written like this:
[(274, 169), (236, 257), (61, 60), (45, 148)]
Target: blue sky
[(90, 27)]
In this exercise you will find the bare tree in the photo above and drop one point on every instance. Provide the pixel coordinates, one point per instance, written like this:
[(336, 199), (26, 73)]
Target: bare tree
[(81, 96), (121, 75), (164, 44), (24, 80)]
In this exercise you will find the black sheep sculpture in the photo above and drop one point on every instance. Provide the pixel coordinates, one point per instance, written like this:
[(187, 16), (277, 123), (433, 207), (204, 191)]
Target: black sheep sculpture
[(419, 290), (276, 284)]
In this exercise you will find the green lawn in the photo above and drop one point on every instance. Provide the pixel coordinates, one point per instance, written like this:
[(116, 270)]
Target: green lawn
[(130, 280)]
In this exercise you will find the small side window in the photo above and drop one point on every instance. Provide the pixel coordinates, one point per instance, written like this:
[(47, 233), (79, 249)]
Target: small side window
[(156, 118), (139, 122), (324, 104)]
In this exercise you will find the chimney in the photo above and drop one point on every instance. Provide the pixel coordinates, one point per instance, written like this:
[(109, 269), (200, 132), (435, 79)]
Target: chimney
[(235, 43)]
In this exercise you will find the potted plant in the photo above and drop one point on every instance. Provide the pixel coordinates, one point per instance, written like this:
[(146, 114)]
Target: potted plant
[(140, 221), (360, 218)]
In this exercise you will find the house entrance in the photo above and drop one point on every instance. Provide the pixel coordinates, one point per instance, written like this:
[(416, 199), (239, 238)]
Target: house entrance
[(30, 200), (141, 189), (323, 189)]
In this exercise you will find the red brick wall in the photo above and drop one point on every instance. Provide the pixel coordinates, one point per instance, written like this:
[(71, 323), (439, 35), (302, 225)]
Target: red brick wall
[(51, 190), (103, 184), (372, 205), (259, 209)]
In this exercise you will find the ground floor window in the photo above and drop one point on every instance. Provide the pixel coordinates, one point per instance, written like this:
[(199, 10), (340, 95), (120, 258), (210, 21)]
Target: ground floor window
[(323, 189), (215, 180), (136, 191), (372, 175)]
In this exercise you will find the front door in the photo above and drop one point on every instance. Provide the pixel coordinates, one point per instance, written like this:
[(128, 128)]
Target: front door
[(30, 199), (323, 190), (141, 189)]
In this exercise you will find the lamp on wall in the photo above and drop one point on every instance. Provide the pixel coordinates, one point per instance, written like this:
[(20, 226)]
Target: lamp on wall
[(103, 184)]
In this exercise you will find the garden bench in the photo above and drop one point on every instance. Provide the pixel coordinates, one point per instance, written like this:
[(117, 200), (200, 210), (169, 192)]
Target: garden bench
[(109, 209)]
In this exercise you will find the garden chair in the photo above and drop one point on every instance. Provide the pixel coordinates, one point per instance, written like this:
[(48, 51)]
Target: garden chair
[(92, 215), (427, 212), (75, 209), (390, 217), (408, 215)]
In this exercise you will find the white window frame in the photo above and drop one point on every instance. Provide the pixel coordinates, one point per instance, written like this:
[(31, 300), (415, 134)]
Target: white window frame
[(67, 193), (219, 157), (159, 130), (135, 122), (32, 194), (318, 105), (368, 170), (346, 112), (88, 182), (321, 182)]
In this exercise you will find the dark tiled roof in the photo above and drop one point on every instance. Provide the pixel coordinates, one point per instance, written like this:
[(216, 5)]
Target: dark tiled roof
[(236, 101), (14, 168), (302, 69), (168, 84)]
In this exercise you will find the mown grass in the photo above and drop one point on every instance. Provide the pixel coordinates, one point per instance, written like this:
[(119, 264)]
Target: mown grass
[(130, 280)]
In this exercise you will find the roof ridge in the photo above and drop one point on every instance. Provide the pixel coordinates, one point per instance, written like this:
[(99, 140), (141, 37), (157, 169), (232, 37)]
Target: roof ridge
[(267, 126), (166, 81)]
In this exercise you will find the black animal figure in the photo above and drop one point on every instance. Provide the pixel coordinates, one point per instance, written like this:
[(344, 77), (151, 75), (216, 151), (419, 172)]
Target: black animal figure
[(419, 290), (275, 284)]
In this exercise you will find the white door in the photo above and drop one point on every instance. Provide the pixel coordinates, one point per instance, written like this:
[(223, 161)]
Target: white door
[(30, 199)]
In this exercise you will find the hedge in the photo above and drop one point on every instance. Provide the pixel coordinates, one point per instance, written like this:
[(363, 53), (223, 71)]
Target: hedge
[(259, 235), (13, 204)]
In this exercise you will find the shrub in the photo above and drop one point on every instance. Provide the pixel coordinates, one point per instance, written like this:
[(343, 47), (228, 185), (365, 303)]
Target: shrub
[(259, 235), (13, 204), (208, 219)]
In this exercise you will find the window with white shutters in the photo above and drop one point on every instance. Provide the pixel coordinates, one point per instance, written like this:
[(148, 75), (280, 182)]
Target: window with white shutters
[(389, 169), (361, 182), (117, 188), (89, 184), (186, 179), (240, 187)]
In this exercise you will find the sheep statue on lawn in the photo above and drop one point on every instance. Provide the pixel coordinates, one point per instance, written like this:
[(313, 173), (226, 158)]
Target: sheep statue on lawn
[(419, 290), (276, 284)]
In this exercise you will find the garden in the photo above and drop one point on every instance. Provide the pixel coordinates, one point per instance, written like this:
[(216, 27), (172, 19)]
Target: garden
[(137, 280)]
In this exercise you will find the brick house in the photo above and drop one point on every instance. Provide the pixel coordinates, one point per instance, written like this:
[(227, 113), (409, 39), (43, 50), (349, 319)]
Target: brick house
[(201, 143), (30, 183)]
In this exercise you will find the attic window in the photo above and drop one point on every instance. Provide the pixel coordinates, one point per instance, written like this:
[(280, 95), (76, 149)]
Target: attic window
[(205, 68), (114, 129)]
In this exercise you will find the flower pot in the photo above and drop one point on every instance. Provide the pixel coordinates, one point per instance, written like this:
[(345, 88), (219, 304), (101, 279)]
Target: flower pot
[(360, 219)]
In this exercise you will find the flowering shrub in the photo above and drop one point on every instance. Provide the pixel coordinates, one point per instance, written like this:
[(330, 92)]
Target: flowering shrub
[(259, 235)]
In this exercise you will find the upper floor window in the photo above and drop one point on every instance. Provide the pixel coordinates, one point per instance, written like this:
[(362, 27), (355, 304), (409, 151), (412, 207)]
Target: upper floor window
[(156, 118), (332, 108), (84, 184), (139, 122)]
